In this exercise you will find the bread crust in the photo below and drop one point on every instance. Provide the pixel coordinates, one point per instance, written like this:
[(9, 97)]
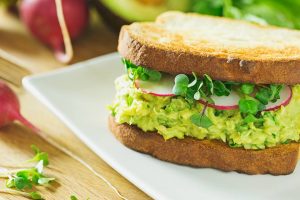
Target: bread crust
[(280, 160), (235, 67)]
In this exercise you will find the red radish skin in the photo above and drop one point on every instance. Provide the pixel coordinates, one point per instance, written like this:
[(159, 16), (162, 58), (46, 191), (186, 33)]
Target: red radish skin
[(163, 88), (10, 108), (40, 17), (286, 96), (219, 107), (152, 93)]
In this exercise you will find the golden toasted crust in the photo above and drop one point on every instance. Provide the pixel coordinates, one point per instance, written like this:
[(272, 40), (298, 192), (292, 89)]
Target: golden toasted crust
[(279, 160), (233, 51)]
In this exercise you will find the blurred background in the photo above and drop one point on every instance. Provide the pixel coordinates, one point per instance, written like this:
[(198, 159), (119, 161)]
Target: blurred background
[(40, 35)]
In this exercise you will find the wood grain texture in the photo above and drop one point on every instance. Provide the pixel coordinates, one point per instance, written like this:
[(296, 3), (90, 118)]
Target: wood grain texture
[(15, 140)]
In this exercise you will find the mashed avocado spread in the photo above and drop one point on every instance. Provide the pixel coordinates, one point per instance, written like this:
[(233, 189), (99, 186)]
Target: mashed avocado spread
[(170, 117)]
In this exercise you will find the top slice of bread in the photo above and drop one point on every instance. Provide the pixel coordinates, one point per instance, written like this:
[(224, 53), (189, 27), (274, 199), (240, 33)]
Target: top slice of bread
[(225, 49)]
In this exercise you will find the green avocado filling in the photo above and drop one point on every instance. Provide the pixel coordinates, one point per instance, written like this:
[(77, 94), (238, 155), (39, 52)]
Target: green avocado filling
[(182, 115)]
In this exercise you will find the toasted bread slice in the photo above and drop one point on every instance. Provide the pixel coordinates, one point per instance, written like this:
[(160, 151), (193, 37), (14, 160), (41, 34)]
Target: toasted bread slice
[(225, 49), (278, 160)]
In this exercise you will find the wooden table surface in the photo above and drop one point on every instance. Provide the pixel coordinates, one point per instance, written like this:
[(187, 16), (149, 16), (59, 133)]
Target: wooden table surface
[(15, 140)]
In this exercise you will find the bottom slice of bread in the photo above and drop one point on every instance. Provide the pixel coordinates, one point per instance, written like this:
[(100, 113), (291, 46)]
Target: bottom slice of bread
[(278, 160)]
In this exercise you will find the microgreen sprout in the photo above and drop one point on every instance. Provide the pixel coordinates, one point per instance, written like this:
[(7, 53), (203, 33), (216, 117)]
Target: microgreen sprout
[(39, 155), (138, 72), (30, 195), (201, 120), (73, 197), (199, 89), (18, 181)]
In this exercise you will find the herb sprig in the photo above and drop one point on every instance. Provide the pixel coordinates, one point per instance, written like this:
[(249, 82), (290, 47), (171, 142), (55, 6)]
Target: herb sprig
[(194, 89), (39, 155), (199, 88), (19, 181), (138, 72), (255, 98)]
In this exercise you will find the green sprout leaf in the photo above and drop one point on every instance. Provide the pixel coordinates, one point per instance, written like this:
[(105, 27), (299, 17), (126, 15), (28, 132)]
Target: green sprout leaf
[(10, 183), (201, 120), (275, 90), (248, 106), (181, 84), (22, 183), (138, 72), (264, 95), (194, 82), (39, 155), (247, 88), (250, 118), (152, 74), (209, 84), (73, 197), (220, 89), (35, 195)]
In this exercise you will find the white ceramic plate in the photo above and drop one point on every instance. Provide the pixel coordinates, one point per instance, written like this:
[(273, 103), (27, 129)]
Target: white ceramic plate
[(78, 95)]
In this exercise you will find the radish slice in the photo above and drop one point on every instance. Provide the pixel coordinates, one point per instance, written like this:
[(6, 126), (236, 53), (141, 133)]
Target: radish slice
[(165, 86), (285, 98), (224, 102), (162, 88), (231, 102)]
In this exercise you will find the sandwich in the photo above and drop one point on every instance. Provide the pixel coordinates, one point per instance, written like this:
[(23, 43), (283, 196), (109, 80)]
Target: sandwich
[(210, 92)]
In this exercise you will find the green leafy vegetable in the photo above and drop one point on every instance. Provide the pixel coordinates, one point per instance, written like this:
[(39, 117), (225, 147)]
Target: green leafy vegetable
[(21, 180), (250, 118), (22, 183), (275, 91), (181, 85), (201, 120), (221, 89), (197, 89), (263, 95), (26, 178), (194, 82), (247, 88), (35, 195), (280, 13), (73, 197), (39, 155), (209, 84), (209, 7), (138, 72), (248, 106)]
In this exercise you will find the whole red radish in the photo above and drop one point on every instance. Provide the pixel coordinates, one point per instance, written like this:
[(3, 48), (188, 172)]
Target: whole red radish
[(10, 108), (40, 16)]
